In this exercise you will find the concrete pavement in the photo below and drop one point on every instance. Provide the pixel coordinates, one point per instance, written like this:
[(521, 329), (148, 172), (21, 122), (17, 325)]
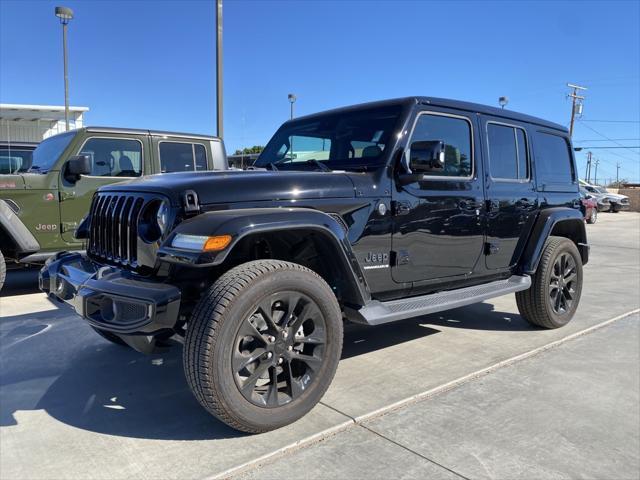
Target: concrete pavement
[(74, 406)]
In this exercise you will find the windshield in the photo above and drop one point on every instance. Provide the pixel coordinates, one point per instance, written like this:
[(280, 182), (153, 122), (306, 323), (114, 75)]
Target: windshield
[(342, 141), (601, 190), (45, 156)]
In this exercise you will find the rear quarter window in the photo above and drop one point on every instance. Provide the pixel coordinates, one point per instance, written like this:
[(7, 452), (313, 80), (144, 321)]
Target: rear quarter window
[(554, 162)]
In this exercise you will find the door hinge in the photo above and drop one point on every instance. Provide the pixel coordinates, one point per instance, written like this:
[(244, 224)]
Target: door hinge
[(400, 208), (491, 248), (401, 257), (67, 196), (68, 226)]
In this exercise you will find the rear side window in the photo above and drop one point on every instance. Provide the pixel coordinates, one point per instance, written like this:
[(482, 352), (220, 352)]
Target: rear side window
[(182, 157), (554, 163), (114, 157), (507, 152)]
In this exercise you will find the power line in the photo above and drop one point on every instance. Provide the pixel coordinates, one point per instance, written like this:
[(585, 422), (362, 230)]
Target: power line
[(602, 140), (609, 148), (611, 121), (604, 136)]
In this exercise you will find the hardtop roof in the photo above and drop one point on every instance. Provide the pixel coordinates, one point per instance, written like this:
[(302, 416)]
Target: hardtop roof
[(445, 103)]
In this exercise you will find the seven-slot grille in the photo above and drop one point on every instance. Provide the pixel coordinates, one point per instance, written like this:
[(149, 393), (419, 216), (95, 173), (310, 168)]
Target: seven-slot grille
[(113, 235)]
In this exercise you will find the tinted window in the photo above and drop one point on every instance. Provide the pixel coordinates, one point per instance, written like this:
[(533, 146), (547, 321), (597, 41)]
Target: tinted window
[(553, 159), (114, 157), (49, 150), (456, 135), (352, 139), (182, 157), (201, 156), (507, 152)]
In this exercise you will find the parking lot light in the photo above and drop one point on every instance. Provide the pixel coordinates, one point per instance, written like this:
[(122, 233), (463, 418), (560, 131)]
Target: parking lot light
[(65, 15)]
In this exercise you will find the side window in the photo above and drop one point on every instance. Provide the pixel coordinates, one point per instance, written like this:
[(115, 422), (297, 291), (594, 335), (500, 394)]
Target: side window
[(114, 157), (507, 152), (456, 135), (201, 156), (182, 157), (553, 159)]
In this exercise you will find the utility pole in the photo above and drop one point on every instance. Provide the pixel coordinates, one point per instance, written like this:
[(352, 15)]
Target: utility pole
[(588, 167), (576, 104), (219, 68), (618, 174), (595, 175)]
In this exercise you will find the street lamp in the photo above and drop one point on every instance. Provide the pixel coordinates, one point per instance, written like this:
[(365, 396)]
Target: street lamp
[(65, 15), (292, 99), (503, 101)]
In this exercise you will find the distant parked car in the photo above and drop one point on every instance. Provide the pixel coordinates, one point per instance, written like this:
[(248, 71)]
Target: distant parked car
[(616, 202), (589, 206), (16, 156), (602, 199)]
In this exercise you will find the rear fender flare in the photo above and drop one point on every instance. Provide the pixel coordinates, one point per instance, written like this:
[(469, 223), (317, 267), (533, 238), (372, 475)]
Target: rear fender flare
[(241, 223), (562, 221)]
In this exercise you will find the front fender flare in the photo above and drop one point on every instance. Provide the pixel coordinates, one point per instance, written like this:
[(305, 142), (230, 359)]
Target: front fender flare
[(19, 236), (240, 223), (550, 221)]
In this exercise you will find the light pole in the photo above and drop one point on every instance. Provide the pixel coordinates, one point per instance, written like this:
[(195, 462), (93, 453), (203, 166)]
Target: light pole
[(292, 99), (219, 68), (65, 15), (503, 101)]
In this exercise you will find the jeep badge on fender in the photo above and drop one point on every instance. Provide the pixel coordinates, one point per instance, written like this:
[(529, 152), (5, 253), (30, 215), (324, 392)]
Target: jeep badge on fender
[(259, 270)]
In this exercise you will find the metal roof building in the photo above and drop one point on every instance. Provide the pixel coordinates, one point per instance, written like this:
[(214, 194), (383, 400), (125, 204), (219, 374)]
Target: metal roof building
[(34, 123)]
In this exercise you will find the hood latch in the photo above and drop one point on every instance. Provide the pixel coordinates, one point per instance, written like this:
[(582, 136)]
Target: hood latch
[(190, 202)]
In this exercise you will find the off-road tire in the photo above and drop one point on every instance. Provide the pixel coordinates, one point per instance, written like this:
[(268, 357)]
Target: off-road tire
[(211, 333), (594, 217), (111, 337), (534, 304), (3, 270)]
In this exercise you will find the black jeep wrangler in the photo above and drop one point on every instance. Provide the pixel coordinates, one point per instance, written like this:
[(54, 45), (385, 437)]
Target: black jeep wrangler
[(372, 213)]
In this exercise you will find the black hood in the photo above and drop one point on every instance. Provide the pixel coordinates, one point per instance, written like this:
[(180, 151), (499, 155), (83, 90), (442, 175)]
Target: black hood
[(242, 186)]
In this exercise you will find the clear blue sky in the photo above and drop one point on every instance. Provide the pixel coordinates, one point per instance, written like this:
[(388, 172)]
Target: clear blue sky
[(151, 64)]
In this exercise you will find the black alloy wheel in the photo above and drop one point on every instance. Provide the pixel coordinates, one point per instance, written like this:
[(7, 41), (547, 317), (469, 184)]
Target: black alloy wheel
[(279, 348), (562, 288)]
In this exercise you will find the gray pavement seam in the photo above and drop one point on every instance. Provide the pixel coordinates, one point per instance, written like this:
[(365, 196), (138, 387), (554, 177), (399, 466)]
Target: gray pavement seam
[(359, 421), (404, 447)]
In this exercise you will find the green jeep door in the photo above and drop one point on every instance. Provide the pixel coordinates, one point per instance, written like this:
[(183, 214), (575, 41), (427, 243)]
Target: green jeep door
[(114, 158)]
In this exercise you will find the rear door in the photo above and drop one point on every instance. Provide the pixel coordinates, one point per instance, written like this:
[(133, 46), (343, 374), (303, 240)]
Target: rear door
[(114, 158), (512, 200)]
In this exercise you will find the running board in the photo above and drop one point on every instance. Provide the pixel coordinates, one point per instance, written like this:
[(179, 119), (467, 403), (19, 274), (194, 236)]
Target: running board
[(376, 313)]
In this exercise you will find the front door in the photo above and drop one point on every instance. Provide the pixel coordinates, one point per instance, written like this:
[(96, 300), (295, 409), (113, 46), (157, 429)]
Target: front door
[(511, 196), (113, 159), (438, 230)]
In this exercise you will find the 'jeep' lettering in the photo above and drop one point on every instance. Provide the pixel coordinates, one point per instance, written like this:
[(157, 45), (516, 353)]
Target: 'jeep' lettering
[(376, 257), (46, 227)]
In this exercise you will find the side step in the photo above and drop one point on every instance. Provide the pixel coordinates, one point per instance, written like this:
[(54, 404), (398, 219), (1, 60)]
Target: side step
[(376, 313)]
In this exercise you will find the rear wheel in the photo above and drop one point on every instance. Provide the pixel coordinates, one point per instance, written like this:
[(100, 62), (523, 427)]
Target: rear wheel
[(3, 270), (263, 345), (553, 297)]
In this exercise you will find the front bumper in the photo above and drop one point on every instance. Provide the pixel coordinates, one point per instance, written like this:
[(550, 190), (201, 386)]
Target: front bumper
[(109, 298)]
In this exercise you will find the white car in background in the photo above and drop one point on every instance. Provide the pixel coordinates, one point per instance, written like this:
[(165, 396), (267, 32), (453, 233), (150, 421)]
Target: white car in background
[(616, 202)]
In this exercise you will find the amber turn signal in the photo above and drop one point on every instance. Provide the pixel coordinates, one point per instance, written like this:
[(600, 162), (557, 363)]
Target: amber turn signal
[(215, 244)]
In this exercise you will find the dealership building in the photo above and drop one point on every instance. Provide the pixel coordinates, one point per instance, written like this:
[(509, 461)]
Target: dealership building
[(34, 123)]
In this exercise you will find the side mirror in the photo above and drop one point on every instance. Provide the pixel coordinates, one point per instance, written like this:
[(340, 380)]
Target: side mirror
[(76, 166), (424, 157)]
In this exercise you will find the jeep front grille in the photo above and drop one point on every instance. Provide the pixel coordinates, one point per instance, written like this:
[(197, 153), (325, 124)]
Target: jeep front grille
[(113, 235)]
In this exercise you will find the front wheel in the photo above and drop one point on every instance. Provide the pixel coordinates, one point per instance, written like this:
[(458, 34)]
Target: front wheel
[(263, 345), (555, 290), (594, 216)]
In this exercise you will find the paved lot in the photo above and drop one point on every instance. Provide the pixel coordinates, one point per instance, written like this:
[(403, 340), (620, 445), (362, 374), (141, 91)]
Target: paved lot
[(73, 406)]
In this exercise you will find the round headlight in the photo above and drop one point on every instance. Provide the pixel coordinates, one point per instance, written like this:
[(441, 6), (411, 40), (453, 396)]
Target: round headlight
[(162, 217)]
